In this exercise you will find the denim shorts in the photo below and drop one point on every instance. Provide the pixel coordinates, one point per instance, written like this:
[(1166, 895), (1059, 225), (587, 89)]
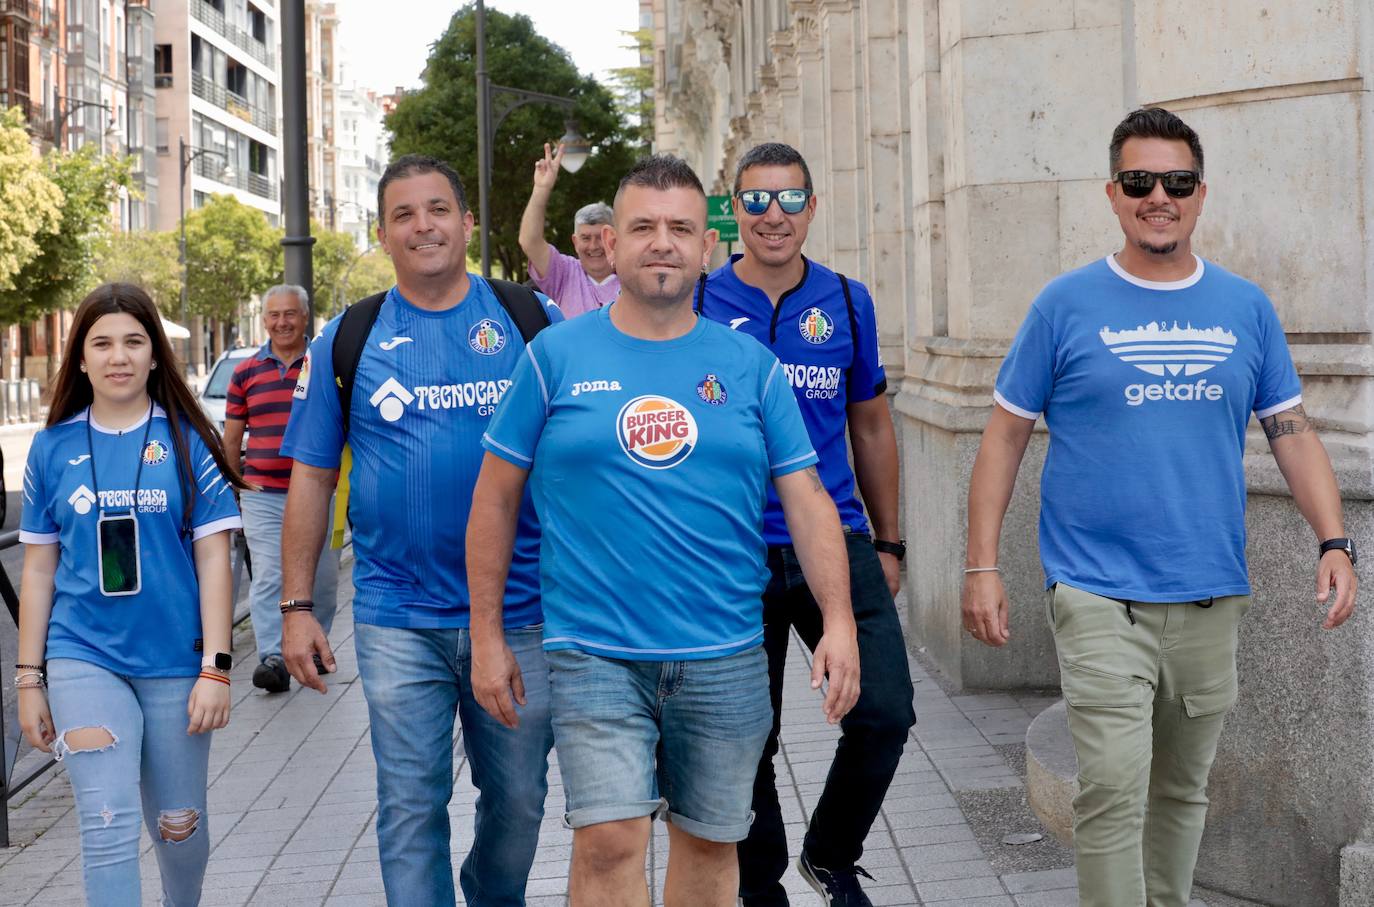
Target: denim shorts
[(645, 738)]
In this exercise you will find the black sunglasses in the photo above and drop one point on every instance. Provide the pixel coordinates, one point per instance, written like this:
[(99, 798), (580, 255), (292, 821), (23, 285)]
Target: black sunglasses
[(1140, 183), (756, 201)]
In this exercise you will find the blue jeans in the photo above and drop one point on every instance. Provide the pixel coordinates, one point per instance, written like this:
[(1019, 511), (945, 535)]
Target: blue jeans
[(873, 734), (154, 769), (636, 735), (415, 682), (262, 516)]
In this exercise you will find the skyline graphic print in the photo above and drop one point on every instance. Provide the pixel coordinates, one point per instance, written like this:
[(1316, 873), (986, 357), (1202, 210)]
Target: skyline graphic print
[(1160, 350)]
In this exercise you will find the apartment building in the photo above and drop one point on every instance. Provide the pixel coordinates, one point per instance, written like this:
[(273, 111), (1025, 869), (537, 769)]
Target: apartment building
[(364, 149)]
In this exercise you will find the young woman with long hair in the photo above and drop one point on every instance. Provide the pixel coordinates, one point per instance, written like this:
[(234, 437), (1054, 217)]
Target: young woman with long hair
[(125, 602)]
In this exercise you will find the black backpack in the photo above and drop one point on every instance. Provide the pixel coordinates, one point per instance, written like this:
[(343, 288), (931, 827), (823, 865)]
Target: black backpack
[(519, 301)]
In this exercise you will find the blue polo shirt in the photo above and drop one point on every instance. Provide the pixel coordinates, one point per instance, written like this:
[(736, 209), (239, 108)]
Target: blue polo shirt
[(1146, 388), (76, 472), (650, 462), (830, 358), (425, 389)]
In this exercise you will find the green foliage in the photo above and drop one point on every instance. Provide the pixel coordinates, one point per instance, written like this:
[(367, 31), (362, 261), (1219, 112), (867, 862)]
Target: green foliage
[(146, 259), (232, 252), (61, 273), (331, 256), (372, 273), (30, 203), (634, 87), (440, 120)]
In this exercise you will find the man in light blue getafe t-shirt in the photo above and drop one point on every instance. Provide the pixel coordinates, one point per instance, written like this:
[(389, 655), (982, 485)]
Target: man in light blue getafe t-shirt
[(1146, 366), (649, 437), (429, 375)]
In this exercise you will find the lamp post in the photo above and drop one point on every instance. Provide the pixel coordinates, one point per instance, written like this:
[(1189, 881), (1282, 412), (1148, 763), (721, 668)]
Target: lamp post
[(365, 211), (186, 156), (73, 104), (503, 100)]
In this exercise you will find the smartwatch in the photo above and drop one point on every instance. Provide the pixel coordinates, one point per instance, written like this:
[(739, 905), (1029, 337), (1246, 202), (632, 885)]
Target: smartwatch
[(1346, 545), (221, 661), (897, 549)]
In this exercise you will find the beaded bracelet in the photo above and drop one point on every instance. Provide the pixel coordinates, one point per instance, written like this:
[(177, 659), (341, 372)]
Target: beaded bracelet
[(206, 675), (30, 685)]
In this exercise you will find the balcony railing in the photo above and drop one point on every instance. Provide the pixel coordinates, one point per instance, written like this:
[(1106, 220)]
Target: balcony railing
[(211, 166), (235, 103), (240, 38), (29, 9)]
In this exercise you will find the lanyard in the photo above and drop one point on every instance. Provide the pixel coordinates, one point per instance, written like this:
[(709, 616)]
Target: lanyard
[(138, 476)]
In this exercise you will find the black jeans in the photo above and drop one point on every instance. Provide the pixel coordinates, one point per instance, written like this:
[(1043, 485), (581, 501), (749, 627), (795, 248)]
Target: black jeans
[(872, 737)]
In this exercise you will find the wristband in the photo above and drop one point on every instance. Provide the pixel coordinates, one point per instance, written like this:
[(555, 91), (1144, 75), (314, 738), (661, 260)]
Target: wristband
[(968, 570), (897, 549), (296, 604), (206, 675), (20, 667)]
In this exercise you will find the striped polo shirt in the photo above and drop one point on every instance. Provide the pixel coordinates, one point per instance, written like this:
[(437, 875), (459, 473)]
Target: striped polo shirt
[(260, 394)]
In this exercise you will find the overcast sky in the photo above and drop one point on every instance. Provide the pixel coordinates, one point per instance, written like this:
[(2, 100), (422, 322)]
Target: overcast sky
[(386, 42)]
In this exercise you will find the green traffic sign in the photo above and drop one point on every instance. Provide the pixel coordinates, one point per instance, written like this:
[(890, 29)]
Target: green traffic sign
[(720, 217)]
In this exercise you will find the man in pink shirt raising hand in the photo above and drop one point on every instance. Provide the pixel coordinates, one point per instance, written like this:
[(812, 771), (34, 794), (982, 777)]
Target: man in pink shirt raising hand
[(578, 284)]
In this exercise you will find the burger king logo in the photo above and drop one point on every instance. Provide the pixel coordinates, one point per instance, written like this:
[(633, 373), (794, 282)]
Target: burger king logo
[(487, 338), (656, 432)]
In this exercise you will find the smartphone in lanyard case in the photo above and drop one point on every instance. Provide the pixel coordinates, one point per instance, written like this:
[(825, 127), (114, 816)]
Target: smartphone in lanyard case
[(121, 566)]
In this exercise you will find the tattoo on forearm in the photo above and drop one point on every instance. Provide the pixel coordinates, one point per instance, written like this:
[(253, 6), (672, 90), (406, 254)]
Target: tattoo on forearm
[(816, 484), (1289, 422)]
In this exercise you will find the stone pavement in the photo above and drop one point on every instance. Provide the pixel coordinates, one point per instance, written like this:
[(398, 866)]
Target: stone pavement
[(293, 810)]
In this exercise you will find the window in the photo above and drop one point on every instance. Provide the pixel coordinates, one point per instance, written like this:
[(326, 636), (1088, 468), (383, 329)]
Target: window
[(162, 65), (163, 137)]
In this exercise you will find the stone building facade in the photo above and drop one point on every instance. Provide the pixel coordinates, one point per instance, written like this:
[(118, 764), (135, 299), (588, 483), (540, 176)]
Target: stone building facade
[(959, 149)]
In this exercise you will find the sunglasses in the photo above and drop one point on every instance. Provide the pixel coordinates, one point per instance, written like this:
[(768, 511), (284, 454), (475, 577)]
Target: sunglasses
[(756, 201), (1140, 183)]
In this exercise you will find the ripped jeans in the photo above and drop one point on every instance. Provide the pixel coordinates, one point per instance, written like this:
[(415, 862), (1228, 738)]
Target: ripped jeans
[(154, 769)]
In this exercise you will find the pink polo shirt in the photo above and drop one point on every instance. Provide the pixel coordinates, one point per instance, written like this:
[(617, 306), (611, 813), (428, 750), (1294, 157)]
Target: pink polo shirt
[(569, 286)]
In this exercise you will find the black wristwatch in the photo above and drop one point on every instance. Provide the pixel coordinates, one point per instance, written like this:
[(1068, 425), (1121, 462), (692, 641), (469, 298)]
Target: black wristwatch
[(897, 549), (1346, 545)]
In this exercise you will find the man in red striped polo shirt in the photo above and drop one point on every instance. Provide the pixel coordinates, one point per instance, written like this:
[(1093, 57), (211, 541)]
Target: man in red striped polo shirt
[(259, 400)]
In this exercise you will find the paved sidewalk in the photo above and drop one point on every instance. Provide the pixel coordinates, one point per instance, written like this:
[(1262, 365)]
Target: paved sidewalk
[(292, 806)]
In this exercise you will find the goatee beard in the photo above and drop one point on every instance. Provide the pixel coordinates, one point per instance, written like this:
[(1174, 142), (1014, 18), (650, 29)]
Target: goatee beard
[(1166, 249)]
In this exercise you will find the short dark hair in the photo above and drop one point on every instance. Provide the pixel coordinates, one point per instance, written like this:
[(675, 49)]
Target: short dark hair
[(414, 165), (1153, 123), (773, 154), (661, 172)]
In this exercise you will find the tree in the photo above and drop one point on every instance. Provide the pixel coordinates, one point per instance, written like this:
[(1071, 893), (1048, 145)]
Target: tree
[(331, 256), (231, 253), (30, 203), (634, 87), (440, 120), (146, 259), (61, 273)]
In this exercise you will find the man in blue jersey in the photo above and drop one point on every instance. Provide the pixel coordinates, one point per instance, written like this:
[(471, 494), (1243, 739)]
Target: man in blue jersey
[(433, 368), (649, 437), (1146, 366), (823, 328)]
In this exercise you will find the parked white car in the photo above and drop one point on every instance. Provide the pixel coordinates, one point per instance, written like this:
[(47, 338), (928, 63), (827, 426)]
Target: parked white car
[(216, 391)]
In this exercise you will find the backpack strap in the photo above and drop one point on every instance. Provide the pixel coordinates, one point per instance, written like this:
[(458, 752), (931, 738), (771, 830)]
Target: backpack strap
[(522, 305), (853, 321), (349, 341)]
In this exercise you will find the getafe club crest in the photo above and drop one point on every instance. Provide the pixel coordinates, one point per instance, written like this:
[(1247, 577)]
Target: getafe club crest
[(155, 453), (656, 432), (487, 338), (712, 391), (815, 326)]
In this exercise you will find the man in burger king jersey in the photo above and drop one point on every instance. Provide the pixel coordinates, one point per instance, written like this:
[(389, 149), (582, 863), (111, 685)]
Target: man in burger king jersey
[(649, 437)]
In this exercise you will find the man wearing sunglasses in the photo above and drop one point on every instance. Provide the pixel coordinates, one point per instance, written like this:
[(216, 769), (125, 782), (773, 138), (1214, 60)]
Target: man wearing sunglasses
[(1146, 366), (822, 327)]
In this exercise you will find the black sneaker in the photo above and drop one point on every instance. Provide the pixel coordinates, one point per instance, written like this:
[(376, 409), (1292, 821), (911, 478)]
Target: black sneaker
[(838, 887), (272, 675)]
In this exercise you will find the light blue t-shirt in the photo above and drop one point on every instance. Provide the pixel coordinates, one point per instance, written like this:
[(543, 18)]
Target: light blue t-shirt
[(1146, 389), (155, 632), (423, 393), (650, 463)]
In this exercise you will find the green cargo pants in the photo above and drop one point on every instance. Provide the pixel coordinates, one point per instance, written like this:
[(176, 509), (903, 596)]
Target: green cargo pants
[(1148, 686)]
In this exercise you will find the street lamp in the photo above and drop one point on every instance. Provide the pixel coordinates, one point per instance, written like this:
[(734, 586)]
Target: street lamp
[(576, 149), (72, 104), (187, 156)]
